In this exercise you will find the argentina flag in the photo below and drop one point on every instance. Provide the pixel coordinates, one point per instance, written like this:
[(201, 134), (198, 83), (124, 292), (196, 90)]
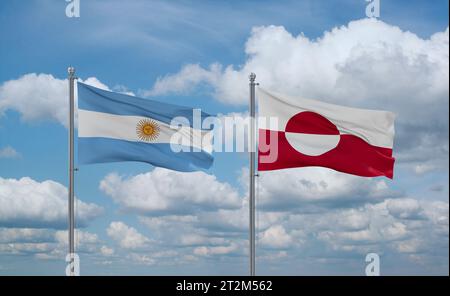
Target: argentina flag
[(117, 127)]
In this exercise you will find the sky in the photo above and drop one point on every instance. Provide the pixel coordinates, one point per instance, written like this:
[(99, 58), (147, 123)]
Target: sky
[(310, 221)]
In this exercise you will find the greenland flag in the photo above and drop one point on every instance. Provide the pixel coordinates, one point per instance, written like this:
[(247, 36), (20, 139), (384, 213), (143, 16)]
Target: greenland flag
[(313, 133)]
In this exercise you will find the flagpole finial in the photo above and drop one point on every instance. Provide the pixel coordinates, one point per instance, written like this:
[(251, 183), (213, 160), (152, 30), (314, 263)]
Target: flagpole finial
[(252, 77), (71, 71)]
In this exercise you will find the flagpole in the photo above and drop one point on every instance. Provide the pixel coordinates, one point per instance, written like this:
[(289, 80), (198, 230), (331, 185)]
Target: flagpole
[(252, 149), (71, 72)]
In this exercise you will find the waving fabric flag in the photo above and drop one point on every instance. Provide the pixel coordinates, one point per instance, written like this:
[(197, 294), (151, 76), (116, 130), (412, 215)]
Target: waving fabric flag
[(313, 133), (117, 127)]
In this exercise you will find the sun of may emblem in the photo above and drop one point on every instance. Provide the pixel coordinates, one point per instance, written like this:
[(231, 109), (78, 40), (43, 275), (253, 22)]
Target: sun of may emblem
[(147, 130)]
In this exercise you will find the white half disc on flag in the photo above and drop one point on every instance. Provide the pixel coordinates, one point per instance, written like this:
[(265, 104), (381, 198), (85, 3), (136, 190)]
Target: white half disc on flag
[(312, 145)]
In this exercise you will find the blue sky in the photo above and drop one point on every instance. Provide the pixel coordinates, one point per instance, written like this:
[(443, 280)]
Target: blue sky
[(165, 51)]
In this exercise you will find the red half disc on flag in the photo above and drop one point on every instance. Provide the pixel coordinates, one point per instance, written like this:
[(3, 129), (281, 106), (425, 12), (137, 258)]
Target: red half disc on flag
[(311, 134)]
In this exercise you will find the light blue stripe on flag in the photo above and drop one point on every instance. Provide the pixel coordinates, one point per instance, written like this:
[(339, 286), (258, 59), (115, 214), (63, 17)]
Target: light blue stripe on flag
[(108, 124), (94, 99), (99, 150)]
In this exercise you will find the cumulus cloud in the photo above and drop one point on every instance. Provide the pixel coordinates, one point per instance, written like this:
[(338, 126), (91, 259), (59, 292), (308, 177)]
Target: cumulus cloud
[(127, 237), (408, 229), (389, 226), (39, 97), (45, 243), (62, 237), (325, 67), (314, 211), (438, 213), (163, 191), (404, 228), (186, 80), (106, 251), (211, 251), (26, 248), (36, 97), (313, 189), (234, 221), (25, 235), (93, 81), (406, 208), (85, 242), (367, 64), (141, 258), (275, 237), (28, 203)]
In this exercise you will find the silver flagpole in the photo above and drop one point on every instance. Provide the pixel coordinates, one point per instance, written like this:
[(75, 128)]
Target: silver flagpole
[(252, 150), (71, 72)]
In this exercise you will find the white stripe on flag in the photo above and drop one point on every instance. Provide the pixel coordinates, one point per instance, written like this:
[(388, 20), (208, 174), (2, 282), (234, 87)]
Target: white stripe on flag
[(123, 127), (373, 126)]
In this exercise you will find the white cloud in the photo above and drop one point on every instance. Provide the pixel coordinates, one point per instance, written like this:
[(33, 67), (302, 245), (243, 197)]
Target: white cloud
[(123, 89), (85, 242), (319, 211), (192, 239), (39, 97), (45, 243), (25, 235), (9, 152), (26, 248), (394, 223), (219, 250), (321, 68), (401, 228), (142, 259), (165, 191), (106, 251), (405, 208), (352, 219), (186, 80), (165, 222), (62, 237), (36, 97), (409, 246), (235, 221), (438, 213), (309, 189), (275, 237), (28, 203), (127, 237), (272, 256), (164, 257), (224, 220), (93, 81)]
